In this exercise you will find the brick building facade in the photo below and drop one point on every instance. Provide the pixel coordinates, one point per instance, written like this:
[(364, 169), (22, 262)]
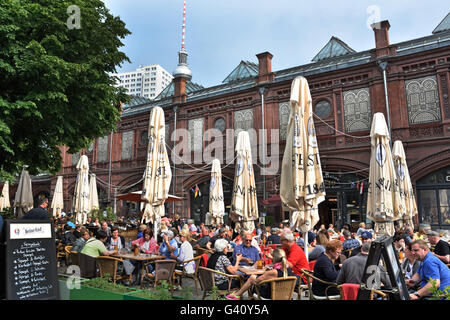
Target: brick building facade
[(347, 88)]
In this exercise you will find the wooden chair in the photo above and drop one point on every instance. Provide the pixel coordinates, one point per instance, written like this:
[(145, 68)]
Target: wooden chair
[(310, 277), (73, 257), (60, 253), (280, 288), (164, 270), (67, 250), (381, 294), (88, 266), (194, 276), (207, 281), (108, 266)]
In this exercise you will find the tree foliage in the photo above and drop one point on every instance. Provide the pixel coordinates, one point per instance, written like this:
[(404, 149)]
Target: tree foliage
[(56, 86)]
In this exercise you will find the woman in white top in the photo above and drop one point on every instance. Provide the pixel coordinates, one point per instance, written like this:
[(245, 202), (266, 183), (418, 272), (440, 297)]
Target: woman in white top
[(186, 251)]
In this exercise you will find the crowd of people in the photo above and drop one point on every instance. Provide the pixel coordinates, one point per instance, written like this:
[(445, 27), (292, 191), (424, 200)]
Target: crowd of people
[(336, 256)]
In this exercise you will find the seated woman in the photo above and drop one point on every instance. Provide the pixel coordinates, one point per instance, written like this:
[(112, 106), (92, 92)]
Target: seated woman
[(219, 261), (280, 269), (146, 244), (325, 269), (186, 252)]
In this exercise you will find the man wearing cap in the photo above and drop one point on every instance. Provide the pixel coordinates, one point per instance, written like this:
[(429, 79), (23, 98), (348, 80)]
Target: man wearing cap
[(366, 236), (441, 248), (169, 246), (431, 268)]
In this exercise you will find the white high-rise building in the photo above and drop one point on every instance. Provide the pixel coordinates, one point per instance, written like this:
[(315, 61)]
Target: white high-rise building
[(145, 81)]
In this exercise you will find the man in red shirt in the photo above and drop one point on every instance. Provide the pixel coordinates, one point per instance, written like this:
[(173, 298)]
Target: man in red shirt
[(295, 255)]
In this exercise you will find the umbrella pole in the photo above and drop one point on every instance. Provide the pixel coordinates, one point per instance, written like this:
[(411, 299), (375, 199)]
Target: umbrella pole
[(306, 246)]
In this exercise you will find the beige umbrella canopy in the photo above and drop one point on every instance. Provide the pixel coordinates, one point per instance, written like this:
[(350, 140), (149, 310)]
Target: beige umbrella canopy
[(384, 204), (404, 183), (93, 194), (158, 174), (216, 204), (302, 187), (244, 205), (81, 194), (58, 198), (23, 201), (4, 198)]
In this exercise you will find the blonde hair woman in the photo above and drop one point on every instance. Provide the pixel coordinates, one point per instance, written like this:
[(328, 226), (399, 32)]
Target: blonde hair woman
[(186, 251), (279, 269)]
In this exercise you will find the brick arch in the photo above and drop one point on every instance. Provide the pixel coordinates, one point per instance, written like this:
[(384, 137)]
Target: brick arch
[(190, 182), (429, 165), (129, 180), (332, 164)]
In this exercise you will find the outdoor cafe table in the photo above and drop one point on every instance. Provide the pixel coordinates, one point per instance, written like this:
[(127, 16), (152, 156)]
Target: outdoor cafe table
[(140, 257), (251, 270)]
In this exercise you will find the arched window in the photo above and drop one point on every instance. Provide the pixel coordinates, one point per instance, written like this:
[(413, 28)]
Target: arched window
[(284, 109), (423, 100)]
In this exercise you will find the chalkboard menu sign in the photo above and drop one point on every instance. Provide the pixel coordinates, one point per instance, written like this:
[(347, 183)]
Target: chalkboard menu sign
[(383, 248), (30, 268)]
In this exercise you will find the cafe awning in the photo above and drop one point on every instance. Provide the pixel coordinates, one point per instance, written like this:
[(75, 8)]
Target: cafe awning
[(272, 201), (135, 196)]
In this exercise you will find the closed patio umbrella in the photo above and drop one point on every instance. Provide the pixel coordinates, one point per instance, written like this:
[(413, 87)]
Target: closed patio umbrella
[(384, 204), (244, 205), (405, 185), (4, 198), (81, 194), (301, 187), (23, 201), (58, 198), (216, 204), (158, 174), (93, 194)]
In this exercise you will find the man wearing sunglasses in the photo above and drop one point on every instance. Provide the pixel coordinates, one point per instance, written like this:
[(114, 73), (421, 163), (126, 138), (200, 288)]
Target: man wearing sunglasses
[(250, 253)]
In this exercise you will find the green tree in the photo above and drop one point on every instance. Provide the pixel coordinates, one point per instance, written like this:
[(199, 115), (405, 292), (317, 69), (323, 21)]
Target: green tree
[(56, 86)]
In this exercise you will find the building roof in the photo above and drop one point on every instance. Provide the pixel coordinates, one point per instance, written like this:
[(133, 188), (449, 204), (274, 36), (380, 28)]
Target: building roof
[(444, 25), (245, 69), (135, 101), (334, 48), (340, 56)]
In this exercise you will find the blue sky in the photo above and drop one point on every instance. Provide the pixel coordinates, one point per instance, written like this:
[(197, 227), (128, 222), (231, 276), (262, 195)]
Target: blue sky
[(219, 34)]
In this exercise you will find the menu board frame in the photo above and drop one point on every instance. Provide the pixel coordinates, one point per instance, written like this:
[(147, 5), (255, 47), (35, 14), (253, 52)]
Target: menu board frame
[(32, 232), (383, 247)]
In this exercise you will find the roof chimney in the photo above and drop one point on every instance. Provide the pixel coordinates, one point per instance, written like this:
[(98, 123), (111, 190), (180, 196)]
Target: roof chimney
[(265, 73), (382, 47)]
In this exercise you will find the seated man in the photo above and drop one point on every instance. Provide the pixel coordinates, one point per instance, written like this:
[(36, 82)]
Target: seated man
[(352, 269), (250, 254), (95, 247), (274, 237), (430, 268), (204, 239), (221, 234), (296, 257), (68, 237), (81, 241), (441, 247), (366, 236), (349, 242)]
